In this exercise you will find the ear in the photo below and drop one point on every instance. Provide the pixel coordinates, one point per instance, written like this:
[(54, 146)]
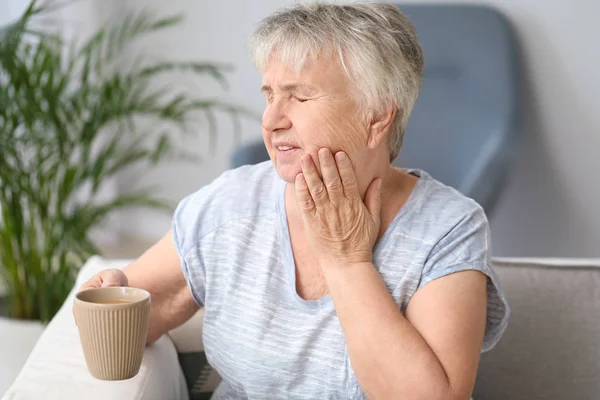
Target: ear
[(380, 125)]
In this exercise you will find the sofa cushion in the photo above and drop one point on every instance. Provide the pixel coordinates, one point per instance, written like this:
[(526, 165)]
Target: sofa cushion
[(551, 349)]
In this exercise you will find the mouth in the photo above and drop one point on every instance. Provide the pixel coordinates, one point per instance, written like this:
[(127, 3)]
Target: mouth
[(287, 153), (285, 148)]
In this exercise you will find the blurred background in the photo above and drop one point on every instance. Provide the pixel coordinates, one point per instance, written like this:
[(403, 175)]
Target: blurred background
[(550, 206)]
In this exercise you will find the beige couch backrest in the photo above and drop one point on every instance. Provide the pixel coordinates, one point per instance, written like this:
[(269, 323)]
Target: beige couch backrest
[(551, 349)]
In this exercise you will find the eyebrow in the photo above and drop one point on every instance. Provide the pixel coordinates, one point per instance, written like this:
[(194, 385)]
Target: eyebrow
[(290, 87)]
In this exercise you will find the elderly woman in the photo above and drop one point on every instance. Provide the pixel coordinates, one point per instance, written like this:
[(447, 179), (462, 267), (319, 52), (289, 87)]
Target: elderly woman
[(327, 273)]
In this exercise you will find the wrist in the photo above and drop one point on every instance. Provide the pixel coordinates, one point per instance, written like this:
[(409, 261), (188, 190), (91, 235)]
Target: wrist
[(342, 276)]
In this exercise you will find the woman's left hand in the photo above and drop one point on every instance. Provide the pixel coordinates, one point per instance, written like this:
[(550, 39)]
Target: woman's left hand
[(341, 228)]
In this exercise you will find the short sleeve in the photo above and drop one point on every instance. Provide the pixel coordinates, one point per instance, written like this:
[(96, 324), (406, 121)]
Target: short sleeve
[(467, 247), (185, 226), (235, 194)]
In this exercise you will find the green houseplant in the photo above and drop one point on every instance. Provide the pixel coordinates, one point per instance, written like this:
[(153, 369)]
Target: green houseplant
[(69, 123)]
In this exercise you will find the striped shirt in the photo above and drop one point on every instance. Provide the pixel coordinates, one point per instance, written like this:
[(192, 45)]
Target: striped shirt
[(264, 340)]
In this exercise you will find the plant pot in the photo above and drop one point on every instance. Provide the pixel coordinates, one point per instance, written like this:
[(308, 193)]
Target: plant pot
[(17, 339)]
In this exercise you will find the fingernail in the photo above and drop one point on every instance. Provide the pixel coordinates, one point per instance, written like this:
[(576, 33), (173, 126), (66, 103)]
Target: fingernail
[(340, 155)]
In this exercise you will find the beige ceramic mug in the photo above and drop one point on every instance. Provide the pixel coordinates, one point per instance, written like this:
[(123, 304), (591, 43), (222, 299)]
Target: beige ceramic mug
[(113, 327)]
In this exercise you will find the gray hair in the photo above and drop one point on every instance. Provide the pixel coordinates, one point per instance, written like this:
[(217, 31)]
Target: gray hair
[(376, 45)]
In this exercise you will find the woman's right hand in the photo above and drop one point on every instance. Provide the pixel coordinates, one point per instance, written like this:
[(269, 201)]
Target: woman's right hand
[(106, 278), (159, 272)]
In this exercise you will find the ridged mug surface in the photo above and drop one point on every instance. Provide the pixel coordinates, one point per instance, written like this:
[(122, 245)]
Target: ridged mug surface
[(113, 336)]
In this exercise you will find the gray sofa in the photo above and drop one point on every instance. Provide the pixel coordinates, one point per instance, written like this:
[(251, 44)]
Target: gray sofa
[(550, 351)]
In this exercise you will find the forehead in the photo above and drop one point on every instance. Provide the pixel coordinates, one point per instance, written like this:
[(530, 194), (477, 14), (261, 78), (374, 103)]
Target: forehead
[(321, 72)]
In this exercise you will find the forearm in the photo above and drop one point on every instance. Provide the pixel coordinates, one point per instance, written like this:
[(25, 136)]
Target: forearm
[(170, 307), (159, 272), (157, 324), (388, 355)]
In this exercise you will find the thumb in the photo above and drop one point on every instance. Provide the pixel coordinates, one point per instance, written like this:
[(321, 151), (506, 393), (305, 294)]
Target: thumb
[(373, 199), (113, 277)]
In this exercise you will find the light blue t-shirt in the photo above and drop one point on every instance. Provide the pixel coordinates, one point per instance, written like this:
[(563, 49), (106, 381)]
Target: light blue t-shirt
[(264, 340)]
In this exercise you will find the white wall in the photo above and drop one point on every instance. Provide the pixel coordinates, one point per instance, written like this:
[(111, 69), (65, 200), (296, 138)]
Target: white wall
[(10, 10), (552, 205)]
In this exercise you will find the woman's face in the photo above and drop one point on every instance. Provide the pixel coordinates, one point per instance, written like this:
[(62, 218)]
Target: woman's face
[(309, 110)]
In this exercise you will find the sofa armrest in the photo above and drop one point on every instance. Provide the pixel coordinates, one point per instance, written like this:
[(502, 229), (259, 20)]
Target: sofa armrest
[(56, 368)]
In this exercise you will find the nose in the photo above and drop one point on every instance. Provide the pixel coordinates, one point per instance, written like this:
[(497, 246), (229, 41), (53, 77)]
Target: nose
[(275, 117)]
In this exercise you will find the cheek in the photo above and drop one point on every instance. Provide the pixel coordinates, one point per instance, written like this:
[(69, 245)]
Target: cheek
[(338, 131), (266, 135), (267, 140)]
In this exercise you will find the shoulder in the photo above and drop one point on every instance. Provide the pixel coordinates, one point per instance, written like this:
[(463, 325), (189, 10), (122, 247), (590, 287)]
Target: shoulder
[(437, 213), (243, 192), (441, 225), (453, 229), (245, 181), (443, 207)]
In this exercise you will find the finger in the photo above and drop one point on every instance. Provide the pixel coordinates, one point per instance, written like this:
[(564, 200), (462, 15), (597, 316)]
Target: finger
[(373, 200), (93, 283), (331, 176), (106, 278), (315, 185), (303, 198), (347, 175)]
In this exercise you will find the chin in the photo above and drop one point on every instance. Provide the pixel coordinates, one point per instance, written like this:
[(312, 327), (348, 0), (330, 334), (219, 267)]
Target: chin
[(288, 172), (287, 165)]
